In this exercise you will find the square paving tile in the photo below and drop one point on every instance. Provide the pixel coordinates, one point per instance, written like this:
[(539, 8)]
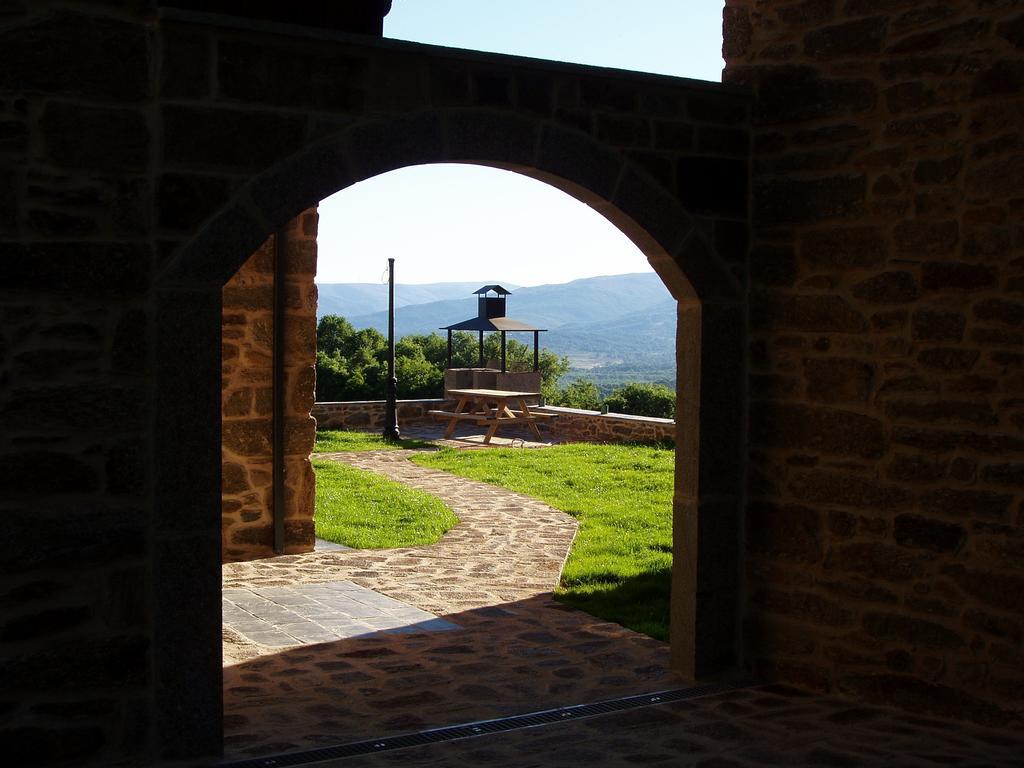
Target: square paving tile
[(319, 613)]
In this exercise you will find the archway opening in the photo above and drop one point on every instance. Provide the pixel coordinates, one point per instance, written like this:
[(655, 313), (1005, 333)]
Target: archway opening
[(479, 598)]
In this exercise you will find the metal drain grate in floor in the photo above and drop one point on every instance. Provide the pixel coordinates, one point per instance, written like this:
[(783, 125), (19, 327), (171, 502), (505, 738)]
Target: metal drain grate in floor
[(482, 727)]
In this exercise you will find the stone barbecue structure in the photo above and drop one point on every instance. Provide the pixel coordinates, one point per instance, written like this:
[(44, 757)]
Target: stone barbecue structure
[(839, 222)]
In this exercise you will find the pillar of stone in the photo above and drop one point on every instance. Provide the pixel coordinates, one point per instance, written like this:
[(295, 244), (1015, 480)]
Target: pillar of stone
[(247, 397)]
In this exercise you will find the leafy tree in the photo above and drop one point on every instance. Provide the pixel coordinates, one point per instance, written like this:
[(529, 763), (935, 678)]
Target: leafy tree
[(519, 357), (643, 400), (418, 377), (578, 394), (352, 365)]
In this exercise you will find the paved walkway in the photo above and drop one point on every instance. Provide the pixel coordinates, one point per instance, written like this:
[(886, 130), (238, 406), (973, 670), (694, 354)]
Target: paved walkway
[(513, 649), (277, 617), (765, 726), (506, 547)]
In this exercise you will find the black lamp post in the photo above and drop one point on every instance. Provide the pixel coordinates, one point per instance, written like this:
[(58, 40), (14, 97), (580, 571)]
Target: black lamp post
[(390, 407)]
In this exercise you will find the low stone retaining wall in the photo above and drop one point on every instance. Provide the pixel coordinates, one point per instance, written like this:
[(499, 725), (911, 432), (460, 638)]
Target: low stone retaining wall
[(572, 424), (369, 414)]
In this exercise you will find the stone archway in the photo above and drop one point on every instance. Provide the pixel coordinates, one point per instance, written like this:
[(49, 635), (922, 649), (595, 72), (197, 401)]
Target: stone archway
[(710, 370)]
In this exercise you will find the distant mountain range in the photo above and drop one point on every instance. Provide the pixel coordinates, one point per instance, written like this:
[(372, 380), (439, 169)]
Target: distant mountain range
[(593, 321), (351, 300)]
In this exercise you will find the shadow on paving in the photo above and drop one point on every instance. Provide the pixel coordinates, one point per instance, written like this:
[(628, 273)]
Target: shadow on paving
[(770, 725), (510, 659)]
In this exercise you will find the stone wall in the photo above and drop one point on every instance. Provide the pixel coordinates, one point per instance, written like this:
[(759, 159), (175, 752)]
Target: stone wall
[(571, 424), (368, 415), (247, 398), (576, 425), (885, 551)]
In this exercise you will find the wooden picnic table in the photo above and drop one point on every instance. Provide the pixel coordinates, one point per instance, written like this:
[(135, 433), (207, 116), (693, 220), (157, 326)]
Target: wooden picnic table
[(491, 408)]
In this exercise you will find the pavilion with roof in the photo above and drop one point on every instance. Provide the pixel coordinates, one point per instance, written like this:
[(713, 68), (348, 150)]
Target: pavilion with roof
[(491, 318)]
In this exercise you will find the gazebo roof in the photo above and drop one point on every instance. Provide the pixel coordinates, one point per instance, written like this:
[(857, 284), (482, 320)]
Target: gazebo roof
[(496, 288), (491, 324)]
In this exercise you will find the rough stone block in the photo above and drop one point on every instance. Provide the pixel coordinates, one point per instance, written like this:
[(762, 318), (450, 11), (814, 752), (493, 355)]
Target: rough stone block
[(82, 535), (737, 32), (969, 504), (805, 313), (713, 185), (1001, 590), (608, 94), (1000, 311), (58, 745), (843, 248), (944, 38), (32, 473), (838, 380), (1011, 475), (904, 68), (126, 468), (938, 171), (944, 441), (941, 411), (802, 201), (229, 139), (917, 632), (916, 468), (914, 694), (999, 179), (790, 94), (129, 347), (89, 268), (184, 200), (914, 96), (1000, 79), (656, 214), (853, 38), (1012, 30), (916, 532), (723, 141), (186, 68), (918, 127), (717, 110), (804, 606), (896, 287), (99, 58), (800, 427), (773, 265), (948, 358), (491, 137), (849, 491), (314, 75), (101, 410), (95, 138), (787, 532), (937, 325), (926, 238), (876, 561), (953, 275)]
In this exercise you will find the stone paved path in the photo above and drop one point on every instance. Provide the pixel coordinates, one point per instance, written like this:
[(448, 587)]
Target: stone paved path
[(277, 617), (515, 649), (506, 547), (765, 726)]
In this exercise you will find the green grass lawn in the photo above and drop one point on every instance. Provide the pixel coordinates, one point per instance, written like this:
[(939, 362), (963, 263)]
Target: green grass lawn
[(620, 564), (361, 509), (336, 441)]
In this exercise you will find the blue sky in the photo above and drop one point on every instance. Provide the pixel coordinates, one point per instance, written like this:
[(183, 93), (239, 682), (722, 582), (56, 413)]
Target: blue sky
[(463, 222)]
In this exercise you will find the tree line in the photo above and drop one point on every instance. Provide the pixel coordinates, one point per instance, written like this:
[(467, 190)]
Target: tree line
[(351, 364)]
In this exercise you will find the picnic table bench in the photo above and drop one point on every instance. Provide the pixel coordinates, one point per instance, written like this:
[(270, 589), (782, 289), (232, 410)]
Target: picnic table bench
[(491, 408)]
